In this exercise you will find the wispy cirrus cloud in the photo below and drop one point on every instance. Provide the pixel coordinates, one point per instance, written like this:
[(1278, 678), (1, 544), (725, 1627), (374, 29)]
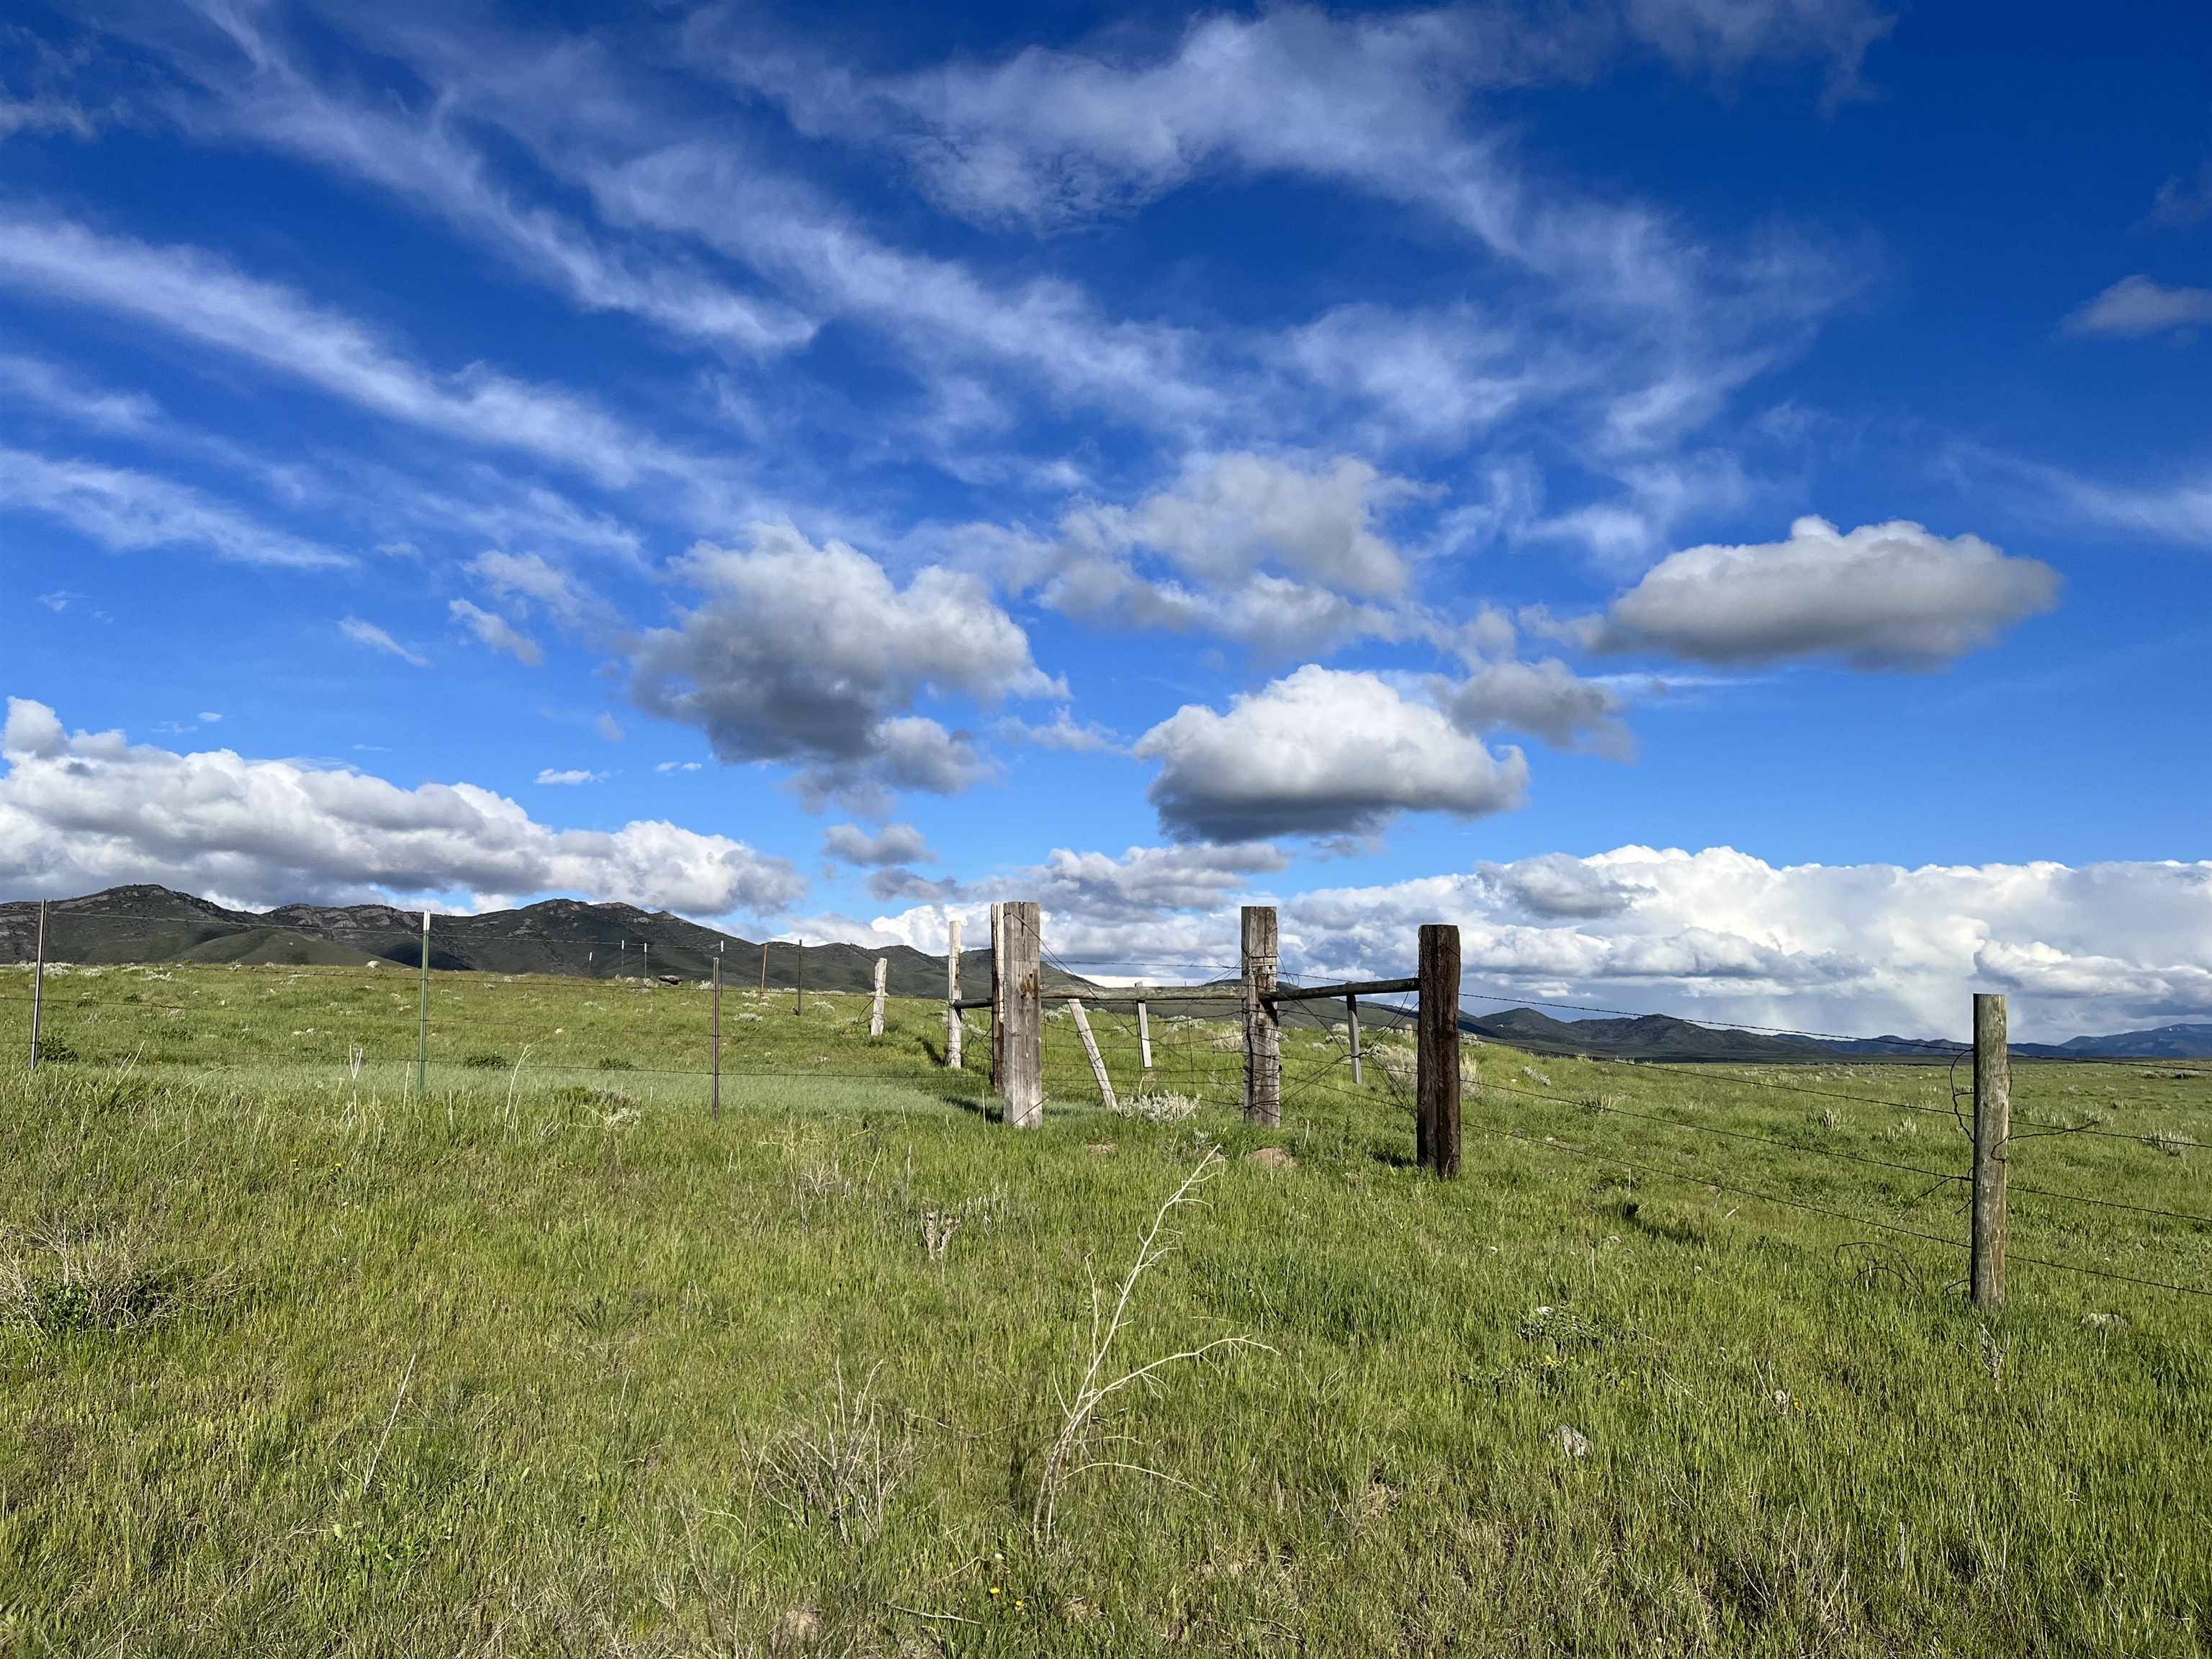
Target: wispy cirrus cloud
[(126, 510), (369, 635)]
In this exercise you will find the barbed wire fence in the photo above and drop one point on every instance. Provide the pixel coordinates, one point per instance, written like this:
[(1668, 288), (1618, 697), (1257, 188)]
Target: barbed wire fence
[(1179, 1040)]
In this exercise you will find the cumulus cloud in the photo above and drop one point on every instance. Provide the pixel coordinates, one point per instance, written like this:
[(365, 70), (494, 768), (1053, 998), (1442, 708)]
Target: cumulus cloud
[(1322, 752), (894, 843), (375, 638), (87, 810), (494, 631), (889, 885), (812, 654), (1150, 911), (1891, 595), (2136, 307), (570, 775), (1546, 699), (1285, 554), (1716, 935)]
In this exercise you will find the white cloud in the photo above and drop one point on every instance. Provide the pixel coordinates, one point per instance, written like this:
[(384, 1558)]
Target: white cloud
[(1718, 934), (199, 297), (2184, 201), (609, 728), (1546, 699), (812, 654), (1883, 596), (90, 810), (256, 87), (2136, 307), (126, 511), (676, 766), (1322, 752), (494, 631), (569, 775), (368, 634), (534, 578), (894, 843), (1064, 733), (207, 719)]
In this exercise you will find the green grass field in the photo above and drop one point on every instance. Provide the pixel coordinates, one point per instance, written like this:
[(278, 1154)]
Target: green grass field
[(545, 1360)]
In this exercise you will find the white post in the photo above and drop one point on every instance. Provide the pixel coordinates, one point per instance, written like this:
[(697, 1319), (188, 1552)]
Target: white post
[(1144, 1039), (1351, 1028), (37, 984), (876, 1013), (1090, 1048)]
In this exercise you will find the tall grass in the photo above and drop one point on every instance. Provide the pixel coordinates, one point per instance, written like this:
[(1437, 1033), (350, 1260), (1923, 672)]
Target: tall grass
[(299, 1363)]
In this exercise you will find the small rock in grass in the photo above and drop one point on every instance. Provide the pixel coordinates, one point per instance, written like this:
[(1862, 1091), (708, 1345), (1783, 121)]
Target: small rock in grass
[(1272, 1158), (1573, 1442)]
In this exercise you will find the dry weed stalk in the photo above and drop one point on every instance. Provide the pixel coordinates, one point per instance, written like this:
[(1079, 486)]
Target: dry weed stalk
[(1061, 1464)]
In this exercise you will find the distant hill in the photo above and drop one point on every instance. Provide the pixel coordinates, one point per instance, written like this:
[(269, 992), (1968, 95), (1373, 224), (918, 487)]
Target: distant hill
[(2159, 1042), (151, 924)]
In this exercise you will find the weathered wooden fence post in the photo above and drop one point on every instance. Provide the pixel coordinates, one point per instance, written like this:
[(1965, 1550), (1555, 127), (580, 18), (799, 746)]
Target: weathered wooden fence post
[(799, 976), (1992, 1130), (38, 983), (1090, 1048), (422, 1015), (876, 1012), (1143, 1039), (764, 984), (1263, 1059), (1021, 1050), (1351, 1035), (714, 1098), (1435, 1065), (953, 1028), (998, 995)]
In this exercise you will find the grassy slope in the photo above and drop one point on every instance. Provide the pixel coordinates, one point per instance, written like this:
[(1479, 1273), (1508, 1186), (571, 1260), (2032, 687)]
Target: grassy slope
[(623, 1320)]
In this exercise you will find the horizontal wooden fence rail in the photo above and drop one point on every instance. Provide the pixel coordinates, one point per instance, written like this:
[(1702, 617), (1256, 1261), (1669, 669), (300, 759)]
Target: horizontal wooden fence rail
[(1369, 988)]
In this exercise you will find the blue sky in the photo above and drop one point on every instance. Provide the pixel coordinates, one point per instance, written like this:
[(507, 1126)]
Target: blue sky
[(823, 470)]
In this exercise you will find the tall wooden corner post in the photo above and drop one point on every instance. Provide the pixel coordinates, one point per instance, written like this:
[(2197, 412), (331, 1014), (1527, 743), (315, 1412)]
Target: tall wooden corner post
[(1018, 1027), (1992, 1130), (1436, 1064), (1263, 1055)]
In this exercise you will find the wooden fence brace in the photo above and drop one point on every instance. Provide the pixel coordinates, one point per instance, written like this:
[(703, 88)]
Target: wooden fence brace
[(876, 1012), (1144, 1039), (714, 1097), (37, 984), (1021, 1055), (1436, 1074), (1992, 1131), (1263, 1058), (1097, 1062), (1352, 1033), (953, 1028)]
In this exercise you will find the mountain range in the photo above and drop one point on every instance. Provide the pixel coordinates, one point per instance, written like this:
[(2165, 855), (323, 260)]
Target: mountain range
[(149, 924)]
